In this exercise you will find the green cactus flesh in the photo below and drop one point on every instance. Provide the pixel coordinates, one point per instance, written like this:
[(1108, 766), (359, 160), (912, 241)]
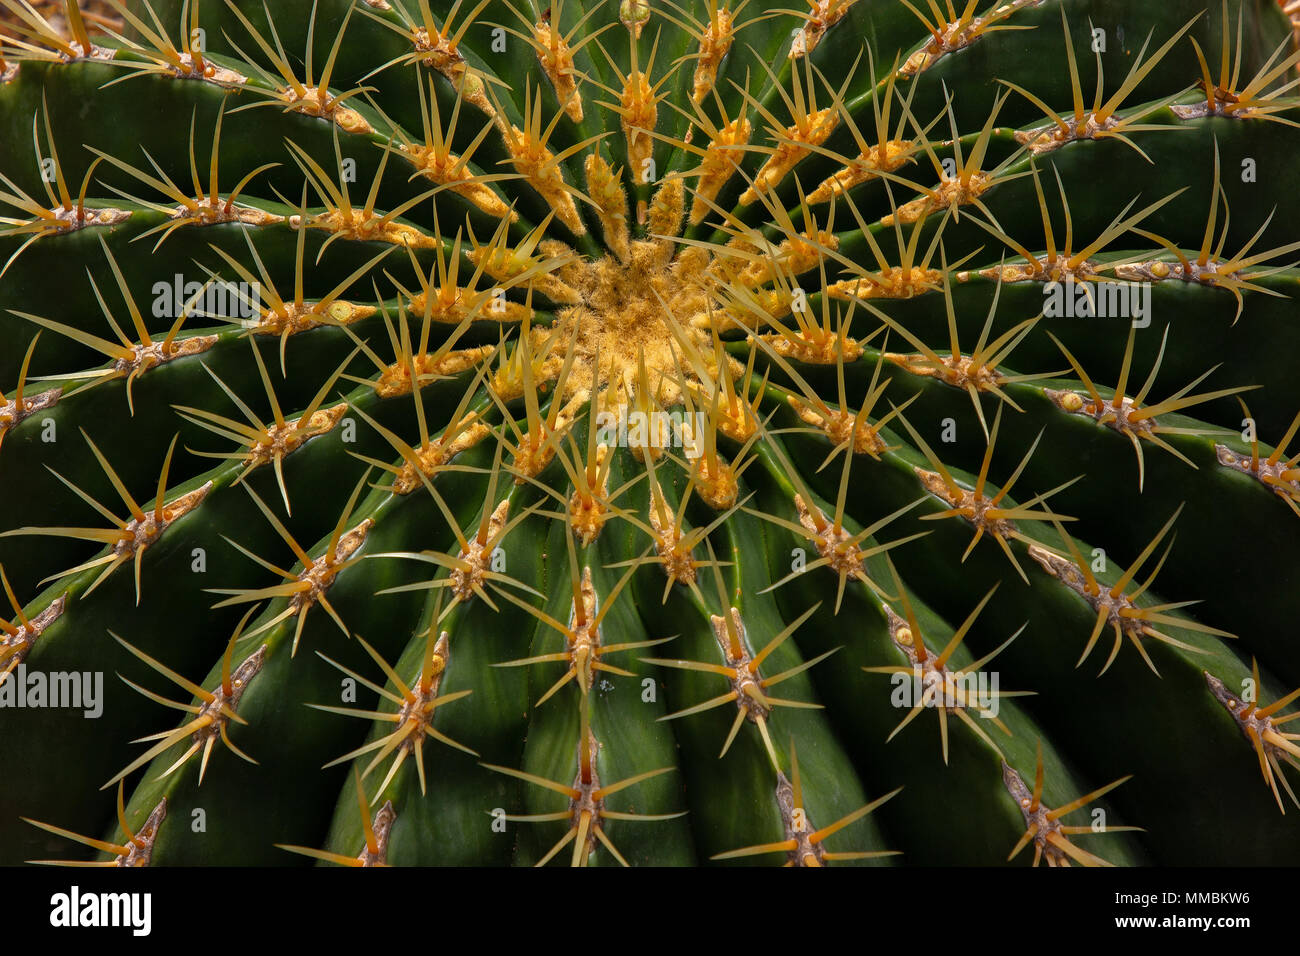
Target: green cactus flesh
[(649, 432)]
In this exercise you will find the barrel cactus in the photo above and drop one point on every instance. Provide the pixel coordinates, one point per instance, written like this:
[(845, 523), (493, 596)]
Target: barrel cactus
[(648, 432)]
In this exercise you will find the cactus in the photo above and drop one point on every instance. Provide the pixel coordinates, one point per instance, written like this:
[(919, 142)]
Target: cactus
[(648, 433)]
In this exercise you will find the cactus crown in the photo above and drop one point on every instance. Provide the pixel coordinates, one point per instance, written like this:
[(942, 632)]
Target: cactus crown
[(512, 433)]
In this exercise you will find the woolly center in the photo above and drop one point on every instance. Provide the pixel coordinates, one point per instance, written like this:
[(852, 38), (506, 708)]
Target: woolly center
[(651, 311)]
